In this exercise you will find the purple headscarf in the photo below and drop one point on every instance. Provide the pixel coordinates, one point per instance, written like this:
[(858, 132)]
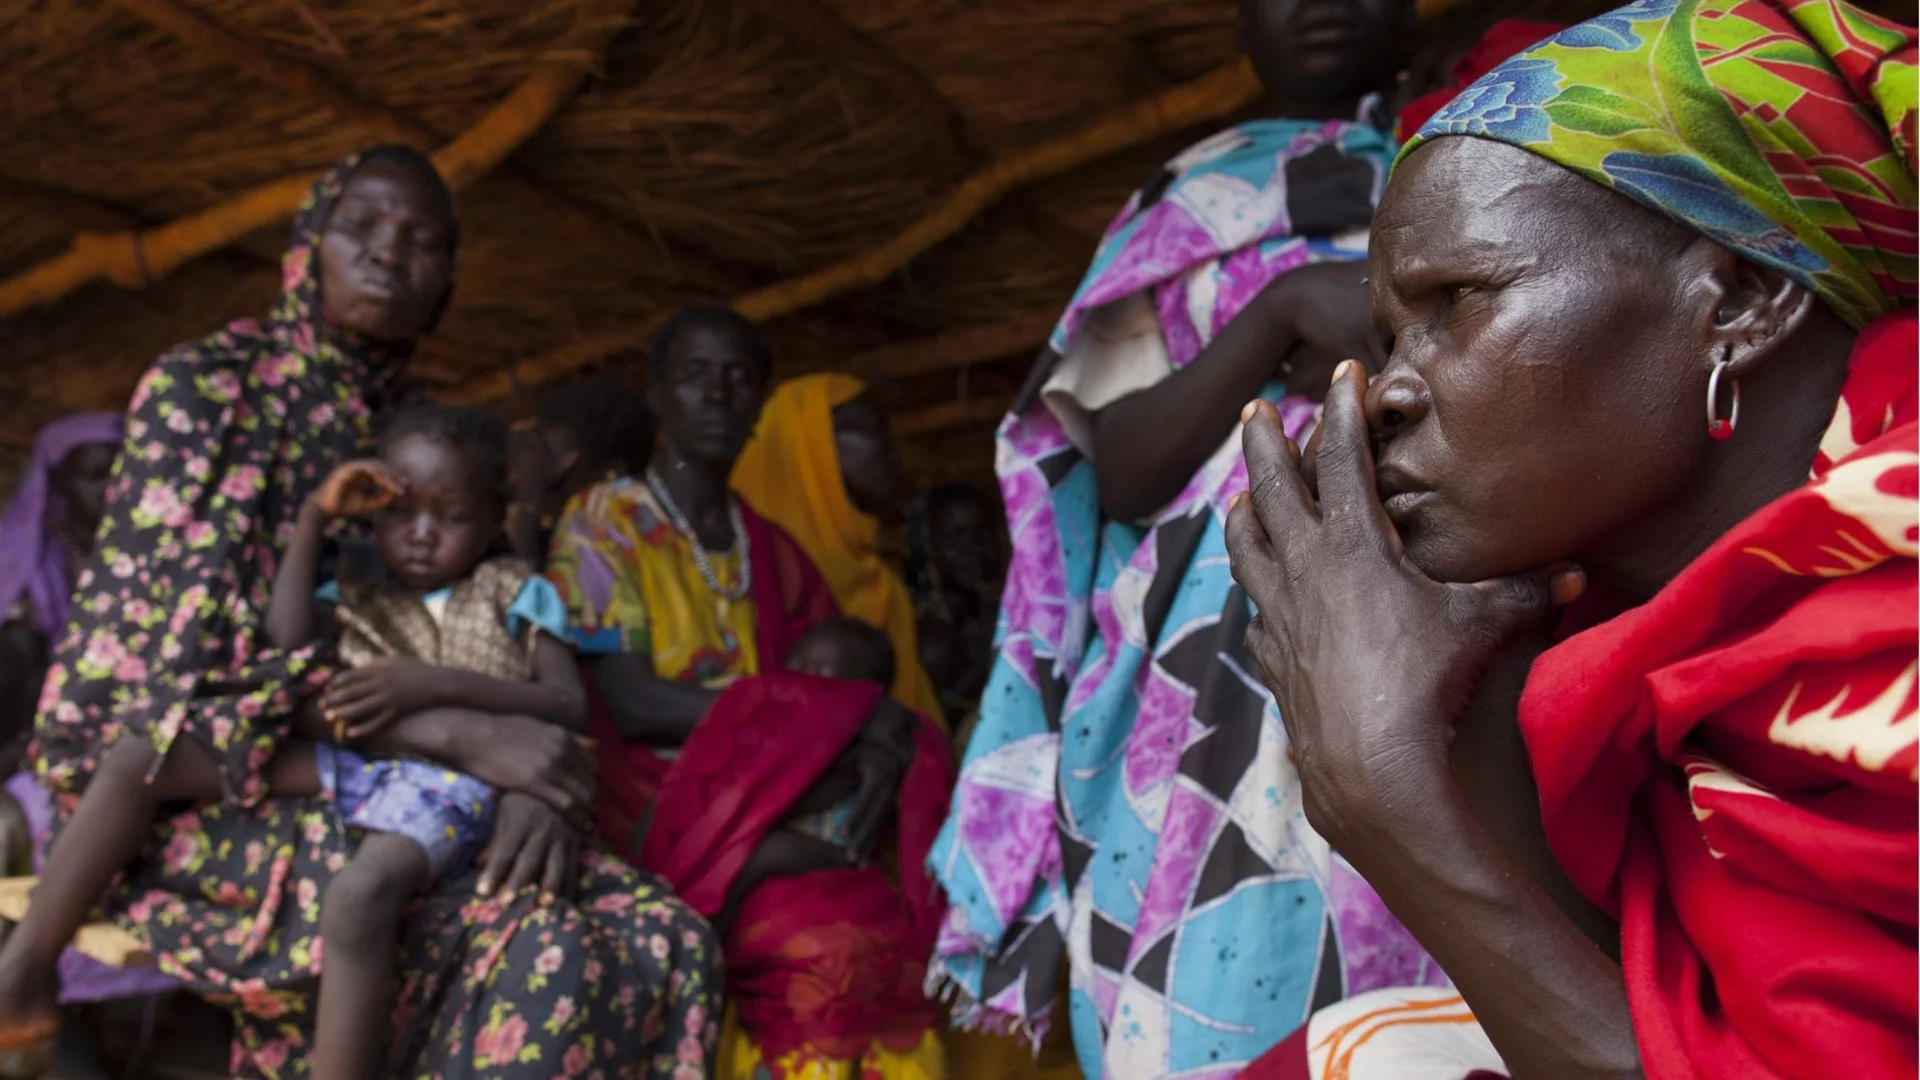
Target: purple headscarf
[(32, 563)]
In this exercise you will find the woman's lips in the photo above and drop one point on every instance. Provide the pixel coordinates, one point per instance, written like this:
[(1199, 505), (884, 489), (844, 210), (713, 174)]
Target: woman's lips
[(1401, 506)]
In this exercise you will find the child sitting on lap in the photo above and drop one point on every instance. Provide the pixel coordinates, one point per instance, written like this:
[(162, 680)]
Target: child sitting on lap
[(450, 628)]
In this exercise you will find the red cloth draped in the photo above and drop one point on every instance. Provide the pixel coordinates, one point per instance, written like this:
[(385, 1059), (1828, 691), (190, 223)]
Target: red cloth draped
[(1731, 767), (831, 960), (789, 597)]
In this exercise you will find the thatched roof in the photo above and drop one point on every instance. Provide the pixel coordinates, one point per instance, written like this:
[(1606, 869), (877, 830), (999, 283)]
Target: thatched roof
[(656, 153)]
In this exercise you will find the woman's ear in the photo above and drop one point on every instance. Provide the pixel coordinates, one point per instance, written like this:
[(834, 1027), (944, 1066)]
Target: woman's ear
[(1758, 308)]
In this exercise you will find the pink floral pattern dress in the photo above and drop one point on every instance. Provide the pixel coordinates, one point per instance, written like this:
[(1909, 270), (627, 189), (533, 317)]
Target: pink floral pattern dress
[(226, 436)]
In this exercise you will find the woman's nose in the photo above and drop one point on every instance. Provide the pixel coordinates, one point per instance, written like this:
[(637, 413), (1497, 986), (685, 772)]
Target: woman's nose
[(1396, 400)]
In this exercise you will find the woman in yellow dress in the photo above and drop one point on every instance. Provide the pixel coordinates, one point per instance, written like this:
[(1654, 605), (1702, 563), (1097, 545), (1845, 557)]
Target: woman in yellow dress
[(685, 604)]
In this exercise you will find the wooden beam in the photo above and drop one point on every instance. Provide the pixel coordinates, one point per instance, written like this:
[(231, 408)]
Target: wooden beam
[(307, 83), (136, 257), (1207, 98), (962, 348)]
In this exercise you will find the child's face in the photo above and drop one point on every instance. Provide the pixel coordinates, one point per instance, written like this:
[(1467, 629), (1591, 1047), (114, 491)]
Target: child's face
[(445, 519), (830, 656)]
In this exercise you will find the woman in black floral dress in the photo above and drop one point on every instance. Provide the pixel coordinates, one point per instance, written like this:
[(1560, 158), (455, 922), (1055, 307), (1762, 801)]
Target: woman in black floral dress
[(547, 960)]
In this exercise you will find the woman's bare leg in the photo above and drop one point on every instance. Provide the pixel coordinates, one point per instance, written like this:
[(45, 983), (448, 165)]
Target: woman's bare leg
[(108, 829), (360, 933)]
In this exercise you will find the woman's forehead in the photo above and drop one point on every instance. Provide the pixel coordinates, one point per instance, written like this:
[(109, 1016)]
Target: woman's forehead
[(1462, 198)]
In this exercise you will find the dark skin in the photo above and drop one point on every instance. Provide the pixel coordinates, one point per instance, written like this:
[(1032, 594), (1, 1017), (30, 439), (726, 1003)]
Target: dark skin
[(435, 516), (386, 255), (1317, 59), (964, 540), (868, 465), (385, 265), (1405, 567), (707, 392)]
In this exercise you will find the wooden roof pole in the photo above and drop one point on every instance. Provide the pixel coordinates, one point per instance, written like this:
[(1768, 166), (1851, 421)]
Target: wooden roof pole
[(307, 83), (1206, 98), (135, 258)]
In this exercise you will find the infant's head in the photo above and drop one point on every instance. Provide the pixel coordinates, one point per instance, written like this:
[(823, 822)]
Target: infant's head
[(451, 467), (844, 649)]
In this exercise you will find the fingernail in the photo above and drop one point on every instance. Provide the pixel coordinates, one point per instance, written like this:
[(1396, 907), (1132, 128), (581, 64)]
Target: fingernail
[(1340, 371), (1247, 411), (483, 889), (1234, 503), (546, 899), (1568, 585)]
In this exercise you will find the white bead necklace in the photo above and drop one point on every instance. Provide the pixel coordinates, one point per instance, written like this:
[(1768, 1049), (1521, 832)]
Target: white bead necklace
[(740, 542)]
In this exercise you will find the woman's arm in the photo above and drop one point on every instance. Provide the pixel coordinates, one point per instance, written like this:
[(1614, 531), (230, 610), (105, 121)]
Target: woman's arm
[(1553, 1003), (644, 707), (783, 853), (290, 611), (513, 753), (1149, 444)]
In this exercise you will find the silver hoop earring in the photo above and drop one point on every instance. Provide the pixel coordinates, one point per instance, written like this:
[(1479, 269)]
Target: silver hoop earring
[(1716, 427)]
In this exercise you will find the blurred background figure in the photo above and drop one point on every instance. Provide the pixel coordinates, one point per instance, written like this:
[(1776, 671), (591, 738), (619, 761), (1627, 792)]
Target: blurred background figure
[(588, 430)]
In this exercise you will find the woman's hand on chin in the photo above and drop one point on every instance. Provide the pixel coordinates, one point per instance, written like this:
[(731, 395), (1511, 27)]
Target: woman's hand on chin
[(533, 758), (1369, 659)]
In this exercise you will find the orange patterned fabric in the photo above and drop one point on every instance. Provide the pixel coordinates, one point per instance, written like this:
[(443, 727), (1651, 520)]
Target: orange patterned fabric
[(1731, 767)]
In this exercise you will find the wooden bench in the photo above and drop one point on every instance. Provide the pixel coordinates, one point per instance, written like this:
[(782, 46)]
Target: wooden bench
[(103, 941)]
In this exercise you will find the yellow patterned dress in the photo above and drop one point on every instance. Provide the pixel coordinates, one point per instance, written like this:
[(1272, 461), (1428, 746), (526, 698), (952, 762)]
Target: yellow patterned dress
[(631, 584)]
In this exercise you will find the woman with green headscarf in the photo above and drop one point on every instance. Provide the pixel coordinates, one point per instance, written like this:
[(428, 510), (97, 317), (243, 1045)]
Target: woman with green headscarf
[(1612, 701)]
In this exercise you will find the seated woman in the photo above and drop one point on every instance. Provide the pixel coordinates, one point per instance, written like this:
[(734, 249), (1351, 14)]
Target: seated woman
[(678, 592), (164, 676), (1160, 854), (47, 533), (822, 467), (1682, 202)]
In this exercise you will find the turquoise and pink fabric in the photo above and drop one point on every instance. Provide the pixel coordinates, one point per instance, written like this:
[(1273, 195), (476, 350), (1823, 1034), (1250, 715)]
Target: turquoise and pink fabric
[(1127, 803)]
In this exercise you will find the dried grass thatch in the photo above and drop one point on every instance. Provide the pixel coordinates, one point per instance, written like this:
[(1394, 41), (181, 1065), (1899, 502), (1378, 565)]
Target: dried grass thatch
[(716, 147)]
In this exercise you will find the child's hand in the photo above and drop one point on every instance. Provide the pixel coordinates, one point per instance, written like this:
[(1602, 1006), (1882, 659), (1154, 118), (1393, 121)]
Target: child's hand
[(366, 699), (357, 489)]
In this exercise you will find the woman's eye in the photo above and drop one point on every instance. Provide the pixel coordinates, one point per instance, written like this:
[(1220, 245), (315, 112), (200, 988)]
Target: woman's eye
[(1457, 293)]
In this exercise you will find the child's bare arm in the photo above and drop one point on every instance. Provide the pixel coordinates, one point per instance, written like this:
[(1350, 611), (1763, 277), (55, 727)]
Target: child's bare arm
[(370, 697), (290, 612), (355, 489)]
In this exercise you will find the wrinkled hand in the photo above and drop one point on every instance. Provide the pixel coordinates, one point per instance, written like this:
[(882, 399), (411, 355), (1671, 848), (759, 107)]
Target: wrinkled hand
[(357, 489), (367, 699), (541, 760), (1330, 309), (1370, 660), (532, 844)]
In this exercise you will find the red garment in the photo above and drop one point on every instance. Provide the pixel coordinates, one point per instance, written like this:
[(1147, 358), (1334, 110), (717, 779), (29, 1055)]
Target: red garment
[(1731, 767), (1502, 40), (789, 598), (831, 960)]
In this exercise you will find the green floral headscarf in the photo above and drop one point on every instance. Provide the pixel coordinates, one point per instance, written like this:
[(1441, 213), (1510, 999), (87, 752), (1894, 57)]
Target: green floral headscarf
[(1783, 129)]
